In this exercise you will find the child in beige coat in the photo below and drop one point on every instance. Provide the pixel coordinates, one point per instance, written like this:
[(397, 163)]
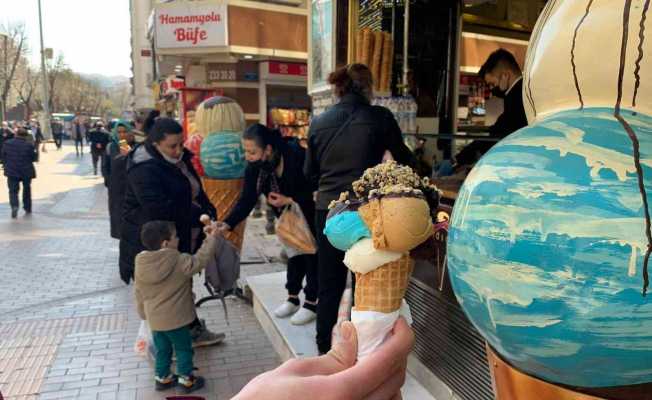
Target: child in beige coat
[(163, 290)]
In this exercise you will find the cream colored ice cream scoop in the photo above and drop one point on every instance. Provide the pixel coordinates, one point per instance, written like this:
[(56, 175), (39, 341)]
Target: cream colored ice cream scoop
[(362, 257)]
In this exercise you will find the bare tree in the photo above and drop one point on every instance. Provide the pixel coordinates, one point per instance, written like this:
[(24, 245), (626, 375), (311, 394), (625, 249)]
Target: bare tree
[(13, 49), (26, 85), (55, 69)]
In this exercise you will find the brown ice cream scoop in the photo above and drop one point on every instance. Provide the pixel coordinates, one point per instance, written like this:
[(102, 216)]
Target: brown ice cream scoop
[(399, 223)]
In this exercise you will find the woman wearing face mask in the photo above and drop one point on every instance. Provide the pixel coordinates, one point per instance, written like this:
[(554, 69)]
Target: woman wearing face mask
[(163, 185), (274, 168)]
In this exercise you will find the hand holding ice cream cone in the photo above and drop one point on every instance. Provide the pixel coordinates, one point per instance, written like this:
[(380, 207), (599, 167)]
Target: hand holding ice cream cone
[(391, 213)]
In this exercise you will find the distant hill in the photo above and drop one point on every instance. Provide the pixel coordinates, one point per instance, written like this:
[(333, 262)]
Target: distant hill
[(107, 82)]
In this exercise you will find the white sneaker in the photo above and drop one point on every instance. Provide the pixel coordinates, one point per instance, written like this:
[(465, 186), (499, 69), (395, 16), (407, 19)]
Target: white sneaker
[(303, 317), (286, 309)]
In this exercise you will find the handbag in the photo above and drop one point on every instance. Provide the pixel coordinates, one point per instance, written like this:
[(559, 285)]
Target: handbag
[(294, 232)]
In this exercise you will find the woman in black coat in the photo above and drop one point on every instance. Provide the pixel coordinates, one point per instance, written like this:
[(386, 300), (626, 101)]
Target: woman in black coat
[(343, 142), (275, 169), (161, 185)]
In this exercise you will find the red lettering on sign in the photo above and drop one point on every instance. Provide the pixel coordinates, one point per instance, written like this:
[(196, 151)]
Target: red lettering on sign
[(192, 35), (167, 19)]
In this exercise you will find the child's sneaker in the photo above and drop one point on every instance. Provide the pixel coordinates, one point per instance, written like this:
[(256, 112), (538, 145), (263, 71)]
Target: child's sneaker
[(190, 383), (166, 383)]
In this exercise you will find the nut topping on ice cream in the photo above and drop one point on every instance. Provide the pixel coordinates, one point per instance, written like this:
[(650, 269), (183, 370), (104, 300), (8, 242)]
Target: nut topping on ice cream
[(388, 179)]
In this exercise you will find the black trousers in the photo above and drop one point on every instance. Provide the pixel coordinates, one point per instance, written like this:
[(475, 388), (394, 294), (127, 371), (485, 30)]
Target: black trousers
[(298, 268), (304, 265), (332, 282), (58, 138), (14, 188), (97, 154), (79, 146)]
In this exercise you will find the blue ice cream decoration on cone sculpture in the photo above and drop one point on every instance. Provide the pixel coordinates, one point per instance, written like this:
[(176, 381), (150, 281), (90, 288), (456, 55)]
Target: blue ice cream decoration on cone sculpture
[(550, 238)]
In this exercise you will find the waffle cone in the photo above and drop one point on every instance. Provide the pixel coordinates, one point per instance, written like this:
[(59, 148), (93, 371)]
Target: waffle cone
[(383, 289), (224, 194)]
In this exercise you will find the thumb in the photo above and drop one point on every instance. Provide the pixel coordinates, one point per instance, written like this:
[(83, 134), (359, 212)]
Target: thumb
[(341, 357), (345, 350)]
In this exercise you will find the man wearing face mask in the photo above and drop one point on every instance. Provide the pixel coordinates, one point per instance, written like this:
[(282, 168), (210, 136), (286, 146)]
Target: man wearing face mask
[(503, 74)]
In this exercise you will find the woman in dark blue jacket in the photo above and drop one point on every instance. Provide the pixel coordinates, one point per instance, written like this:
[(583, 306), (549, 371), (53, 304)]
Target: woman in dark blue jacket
[(275, 169)]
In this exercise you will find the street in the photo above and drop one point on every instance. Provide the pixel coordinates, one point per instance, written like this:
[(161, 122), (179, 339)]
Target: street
[(68, 323)]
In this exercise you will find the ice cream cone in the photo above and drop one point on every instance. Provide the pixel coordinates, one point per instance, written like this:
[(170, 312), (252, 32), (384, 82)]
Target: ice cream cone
[(224, 194), (383, 289)]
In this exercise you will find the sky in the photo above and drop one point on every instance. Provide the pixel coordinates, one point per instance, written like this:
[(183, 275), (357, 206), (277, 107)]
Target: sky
[(93, 35)]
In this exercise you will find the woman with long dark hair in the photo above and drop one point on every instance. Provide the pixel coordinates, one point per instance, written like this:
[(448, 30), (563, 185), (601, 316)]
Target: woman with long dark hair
[(275, 169), (163, 185), (343, 142)]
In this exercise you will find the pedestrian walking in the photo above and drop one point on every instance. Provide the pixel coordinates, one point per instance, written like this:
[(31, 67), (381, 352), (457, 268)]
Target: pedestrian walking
[(57, 132), (343, 142), (163, 291), (19, 156), (6, 133), (163, 185), (274, 168), (78, 134), (99, 140), (39, 139)]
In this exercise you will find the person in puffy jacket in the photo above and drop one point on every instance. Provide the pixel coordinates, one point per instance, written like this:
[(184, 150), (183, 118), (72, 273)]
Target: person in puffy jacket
[(162, 185), (19, 156), (163, 291)]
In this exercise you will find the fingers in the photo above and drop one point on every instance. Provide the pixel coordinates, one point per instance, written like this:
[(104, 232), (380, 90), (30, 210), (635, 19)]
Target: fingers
[(384, 364), (342, 356)]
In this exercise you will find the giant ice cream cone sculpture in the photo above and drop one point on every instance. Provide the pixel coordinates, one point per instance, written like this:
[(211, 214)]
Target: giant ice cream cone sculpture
[(220, 121), (389, 217)]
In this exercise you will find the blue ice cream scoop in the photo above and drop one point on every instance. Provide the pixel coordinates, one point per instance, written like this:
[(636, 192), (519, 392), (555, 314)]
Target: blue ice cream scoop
[(345, 229)]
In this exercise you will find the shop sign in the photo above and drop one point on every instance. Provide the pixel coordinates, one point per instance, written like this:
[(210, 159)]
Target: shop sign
[(222, 74), (284, 68), (232, 72), (172, 85), (145, 53), (190, 25)]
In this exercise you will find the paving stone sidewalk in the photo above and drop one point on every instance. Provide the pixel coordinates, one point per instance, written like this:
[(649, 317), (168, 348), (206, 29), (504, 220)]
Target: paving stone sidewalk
[(68, 324)]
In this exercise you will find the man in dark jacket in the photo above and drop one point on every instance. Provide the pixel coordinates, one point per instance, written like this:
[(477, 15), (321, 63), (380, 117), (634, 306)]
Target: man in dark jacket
[(57, 132), (503, 75), (19, 157), (99, 139)]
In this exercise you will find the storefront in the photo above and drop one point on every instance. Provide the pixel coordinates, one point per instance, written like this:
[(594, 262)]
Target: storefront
[(253, 52), (426, 73)]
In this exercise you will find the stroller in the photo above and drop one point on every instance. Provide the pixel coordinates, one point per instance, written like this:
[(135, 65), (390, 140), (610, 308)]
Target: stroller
[(221, 274)]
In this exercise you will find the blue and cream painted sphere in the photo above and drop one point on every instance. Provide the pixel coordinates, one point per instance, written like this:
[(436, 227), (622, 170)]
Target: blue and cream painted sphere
[(547, 246)]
